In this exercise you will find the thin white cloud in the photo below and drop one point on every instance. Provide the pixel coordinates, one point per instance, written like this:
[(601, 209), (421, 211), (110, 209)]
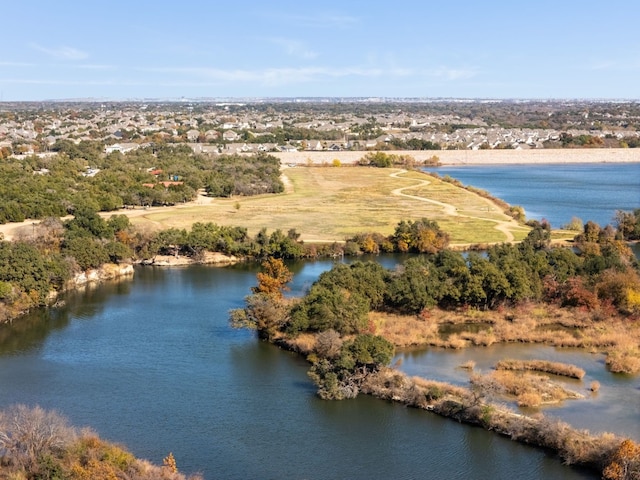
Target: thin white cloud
[(280, 76), (452, 73), (293, 47), (92, 66), (17, 64), (314, 20), (62, 53), (268, 77), (294, 75), (74, 83)]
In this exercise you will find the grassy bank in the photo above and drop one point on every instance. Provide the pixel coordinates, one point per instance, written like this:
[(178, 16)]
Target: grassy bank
[(329, 204), (481, 404), (530, 323)]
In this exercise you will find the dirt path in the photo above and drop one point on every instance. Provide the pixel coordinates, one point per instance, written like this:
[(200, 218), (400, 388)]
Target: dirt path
[(447, 207), (286, 181), (503, 226), (12, 231)]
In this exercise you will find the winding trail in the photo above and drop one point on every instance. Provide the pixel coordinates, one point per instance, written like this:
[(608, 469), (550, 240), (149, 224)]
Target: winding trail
[(503, 226), (11, 231)]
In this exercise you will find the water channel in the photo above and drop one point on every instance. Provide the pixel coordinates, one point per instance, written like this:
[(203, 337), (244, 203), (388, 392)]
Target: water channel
[(152, 363)]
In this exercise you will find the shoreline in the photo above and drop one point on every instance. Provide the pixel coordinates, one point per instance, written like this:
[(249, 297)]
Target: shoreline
[(475, 157)]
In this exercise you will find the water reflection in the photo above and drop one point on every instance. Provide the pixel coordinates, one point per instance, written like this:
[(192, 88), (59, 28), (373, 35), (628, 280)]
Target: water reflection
[(157, 367), (33, 328), (614, 408)]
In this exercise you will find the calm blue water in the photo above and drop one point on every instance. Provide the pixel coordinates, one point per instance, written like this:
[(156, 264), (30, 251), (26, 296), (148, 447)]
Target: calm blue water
[(153, 364), (558, 192)]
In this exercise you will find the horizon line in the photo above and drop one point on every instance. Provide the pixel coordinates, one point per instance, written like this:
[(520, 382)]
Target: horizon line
[(325, 99)]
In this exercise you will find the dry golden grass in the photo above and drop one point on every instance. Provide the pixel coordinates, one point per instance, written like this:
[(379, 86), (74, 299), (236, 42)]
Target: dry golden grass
[(555, 368), (529, 399), (468, 365), (445, 388), (625, 361), (619, 338), (303, 343), (531, 390), (404, 330), (334, 203)]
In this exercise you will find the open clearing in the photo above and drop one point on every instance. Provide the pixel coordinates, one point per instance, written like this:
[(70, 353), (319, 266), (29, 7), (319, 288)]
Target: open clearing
[(327, 204)]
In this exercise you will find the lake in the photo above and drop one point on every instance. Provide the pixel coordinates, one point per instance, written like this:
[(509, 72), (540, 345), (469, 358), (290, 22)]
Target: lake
[(557, 192), (153, 363)]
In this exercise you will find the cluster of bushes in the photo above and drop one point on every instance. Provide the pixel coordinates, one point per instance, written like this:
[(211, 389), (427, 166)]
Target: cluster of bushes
[(56, 186), (628, 224), (237, 175), (419, 236), (414, 144), (384, 160), (40, 444), (209, 237)]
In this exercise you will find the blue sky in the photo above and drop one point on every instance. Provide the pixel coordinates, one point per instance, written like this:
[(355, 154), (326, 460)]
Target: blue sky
[(466, 49)]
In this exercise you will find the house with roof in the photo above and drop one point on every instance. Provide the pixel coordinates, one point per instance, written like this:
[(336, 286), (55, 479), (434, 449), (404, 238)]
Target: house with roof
[(230, 136), (121, 147), (211, 135), (192, 135)]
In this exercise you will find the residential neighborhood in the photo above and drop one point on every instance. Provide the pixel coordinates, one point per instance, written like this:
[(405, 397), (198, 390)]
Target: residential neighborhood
[(28, 128)]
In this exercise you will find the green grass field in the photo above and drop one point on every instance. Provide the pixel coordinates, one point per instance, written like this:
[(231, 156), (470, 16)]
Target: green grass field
[(333, 203)]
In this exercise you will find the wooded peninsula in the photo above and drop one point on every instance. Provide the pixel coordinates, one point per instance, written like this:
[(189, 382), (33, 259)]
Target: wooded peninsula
[(577, 287)]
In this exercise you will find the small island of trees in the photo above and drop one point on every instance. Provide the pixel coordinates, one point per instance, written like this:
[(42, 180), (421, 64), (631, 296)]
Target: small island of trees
[(344, 324)]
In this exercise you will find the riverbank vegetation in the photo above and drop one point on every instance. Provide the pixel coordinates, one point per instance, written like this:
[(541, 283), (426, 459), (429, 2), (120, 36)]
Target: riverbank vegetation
[(35, 268), (583, 297), (353, 317), (40, 444)]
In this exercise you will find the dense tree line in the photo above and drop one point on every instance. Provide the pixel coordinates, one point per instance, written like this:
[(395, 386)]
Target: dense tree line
[(414, 144), (81, 176), (600, 274), (410, 236), (234, 175), (35, 266), (288, 133), (382, 159), (600, 271)]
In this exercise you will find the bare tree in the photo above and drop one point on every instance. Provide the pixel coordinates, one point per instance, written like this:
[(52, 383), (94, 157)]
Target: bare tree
[(26, 434)]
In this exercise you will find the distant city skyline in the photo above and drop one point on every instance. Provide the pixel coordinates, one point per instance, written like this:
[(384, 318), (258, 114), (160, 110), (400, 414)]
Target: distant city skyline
[(121, 50)]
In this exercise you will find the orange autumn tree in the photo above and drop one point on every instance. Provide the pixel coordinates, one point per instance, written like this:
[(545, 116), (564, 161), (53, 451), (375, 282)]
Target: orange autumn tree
[(625, 462), (266, 310), (273, 278)]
